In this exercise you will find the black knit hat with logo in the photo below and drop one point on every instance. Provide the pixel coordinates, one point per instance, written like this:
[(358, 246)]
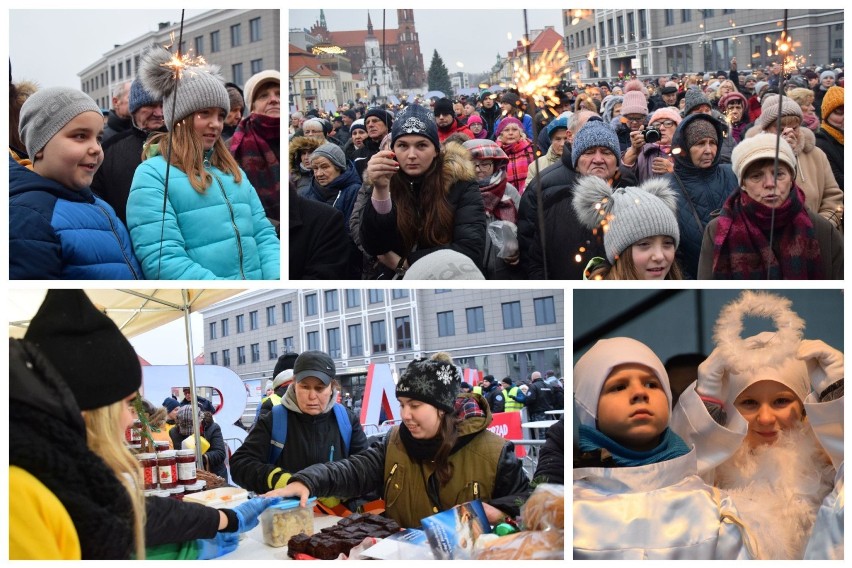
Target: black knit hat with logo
[(435, 381), (86, 347)]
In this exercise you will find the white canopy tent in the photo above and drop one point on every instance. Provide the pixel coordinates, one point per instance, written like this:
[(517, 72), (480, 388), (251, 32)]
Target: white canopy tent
[(133, 311)]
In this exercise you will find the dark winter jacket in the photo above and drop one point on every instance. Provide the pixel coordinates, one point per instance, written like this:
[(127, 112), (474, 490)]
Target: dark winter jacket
[(379, 233), (489, 118), (311, 439), (833, 151), (539, 398), (319, 247), (340, 193), (217, 453), (116, 125), (551, 460), (58, 233), (564, 235), (483, 463), (363, 154), (112, 181), (171, 521), (706, 190), (496, 399)]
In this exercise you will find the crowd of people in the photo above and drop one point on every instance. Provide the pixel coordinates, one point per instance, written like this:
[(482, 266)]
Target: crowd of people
[(726, 176), (163, 187)]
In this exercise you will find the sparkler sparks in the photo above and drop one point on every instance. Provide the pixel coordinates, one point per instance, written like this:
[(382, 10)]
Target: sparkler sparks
[(182, 62), (539, 80)]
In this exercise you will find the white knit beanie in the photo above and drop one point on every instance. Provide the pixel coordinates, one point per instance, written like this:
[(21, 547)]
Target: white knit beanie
[(258, 79), (444, 264), (626, 214), (595, 366), (760, 147)]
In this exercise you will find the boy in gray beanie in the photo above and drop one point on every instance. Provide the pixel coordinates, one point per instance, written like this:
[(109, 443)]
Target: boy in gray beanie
[(58, 228)]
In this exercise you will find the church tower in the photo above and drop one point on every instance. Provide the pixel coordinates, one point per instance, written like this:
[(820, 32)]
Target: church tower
[(376, 73), (411, 68)]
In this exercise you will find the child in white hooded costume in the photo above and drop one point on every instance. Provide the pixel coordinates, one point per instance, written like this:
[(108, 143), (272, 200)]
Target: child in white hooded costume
[(636, 491), (766, 419)]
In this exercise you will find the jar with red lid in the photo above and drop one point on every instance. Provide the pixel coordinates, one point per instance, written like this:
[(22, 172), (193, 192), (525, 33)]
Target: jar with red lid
[(167, 469), (149, 470), (161, 445), (186, 467)]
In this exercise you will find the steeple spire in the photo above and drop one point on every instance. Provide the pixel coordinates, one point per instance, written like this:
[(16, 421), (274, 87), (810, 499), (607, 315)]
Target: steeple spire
[(369, 24), (322, 19)]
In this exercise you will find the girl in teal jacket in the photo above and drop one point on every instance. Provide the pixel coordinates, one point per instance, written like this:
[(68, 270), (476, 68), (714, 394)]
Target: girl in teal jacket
[(212, 224)]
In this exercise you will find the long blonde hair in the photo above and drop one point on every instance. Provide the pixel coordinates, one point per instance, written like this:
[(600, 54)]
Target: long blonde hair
[(188, 154), (625, 269), (103, 438)]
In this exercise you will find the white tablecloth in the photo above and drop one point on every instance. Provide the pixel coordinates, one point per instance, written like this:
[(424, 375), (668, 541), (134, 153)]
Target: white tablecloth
[(252, 546)]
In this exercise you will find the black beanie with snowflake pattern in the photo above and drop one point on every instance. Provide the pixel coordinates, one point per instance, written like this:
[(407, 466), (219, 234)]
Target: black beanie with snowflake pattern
[(435, 381)]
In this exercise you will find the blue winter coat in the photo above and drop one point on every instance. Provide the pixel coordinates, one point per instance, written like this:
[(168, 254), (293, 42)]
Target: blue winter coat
[(222, 233), (343, 190), (59, 233), (707, 188)]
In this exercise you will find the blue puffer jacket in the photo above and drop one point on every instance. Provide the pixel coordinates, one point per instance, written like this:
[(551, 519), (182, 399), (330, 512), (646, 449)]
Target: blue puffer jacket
[(220, 234), (707, 188), (58, 233), (342, 191)]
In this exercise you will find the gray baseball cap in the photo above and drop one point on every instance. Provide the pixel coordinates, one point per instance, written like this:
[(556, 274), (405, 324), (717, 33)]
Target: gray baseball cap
[(314, 364)]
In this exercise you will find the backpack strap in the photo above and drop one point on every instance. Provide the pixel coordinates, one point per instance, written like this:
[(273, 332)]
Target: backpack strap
[(344, 425), (279, 433)]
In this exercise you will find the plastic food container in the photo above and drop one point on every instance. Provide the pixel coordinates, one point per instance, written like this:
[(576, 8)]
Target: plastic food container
[(219, 498), (283, 521)]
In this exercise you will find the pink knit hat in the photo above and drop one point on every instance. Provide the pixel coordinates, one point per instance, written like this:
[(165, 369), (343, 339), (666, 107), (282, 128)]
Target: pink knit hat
[(507, 121), (634, 99), (665, 113), (472, 119)]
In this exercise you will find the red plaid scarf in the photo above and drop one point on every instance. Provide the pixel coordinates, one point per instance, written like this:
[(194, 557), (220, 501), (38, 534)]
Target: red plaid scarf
[(741, 246), (495, 205), (257, 159)]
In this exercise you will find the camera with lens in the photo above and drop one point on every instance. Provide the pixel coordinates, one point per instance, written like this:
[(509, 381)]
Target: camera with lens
[(652, 135)]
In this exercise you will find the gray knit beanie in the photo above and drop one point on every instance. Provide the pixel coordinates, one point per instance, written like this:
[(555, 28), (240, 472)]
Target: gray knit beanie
[(47, 111), (694, 97), (594, 133), (699, 129), (333, 154), (770, 108), (626, 214), (827, 73), (199, 86)]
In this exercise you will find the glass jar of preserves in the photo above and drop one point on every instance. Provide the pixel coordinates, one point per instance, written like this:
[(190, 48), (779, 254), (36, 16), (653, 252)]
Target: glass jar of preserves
[(196, 487), (161, 445), (149, 470), (186, 467), (133, 434), (177, 492), (167, 469)]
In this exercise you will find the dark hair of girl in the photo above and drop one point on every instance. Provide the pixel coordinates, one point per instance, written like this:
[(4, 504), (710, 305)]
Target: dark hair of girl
[(423, 218)]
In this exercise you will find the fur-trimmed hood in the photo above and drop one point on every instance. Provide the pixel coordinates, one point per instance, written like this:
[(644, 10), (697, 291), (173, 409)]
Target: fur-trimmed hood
[(298, 145), (457, 165), (805, 145)]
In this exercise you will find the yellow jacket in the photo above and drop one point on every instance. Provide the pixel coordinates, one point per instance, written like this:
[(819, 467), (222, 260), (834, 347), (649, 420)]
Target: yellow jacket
[(39, 526)]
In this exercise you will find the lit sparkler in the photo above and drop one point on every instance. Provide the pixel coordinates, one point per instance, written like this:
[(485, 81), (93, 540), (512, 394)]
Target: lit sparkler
[(182, 62), (539, 80)]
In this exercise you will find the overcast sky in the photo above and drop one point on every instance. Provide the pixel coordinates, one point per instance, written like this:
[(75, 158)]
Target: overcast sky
[(51, 46), (472, 38)]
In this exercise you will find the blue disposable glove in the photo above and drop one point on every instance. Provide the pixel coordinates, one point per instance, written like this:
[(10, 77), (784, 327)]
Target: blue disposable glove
[(248, 512), (219, 546)]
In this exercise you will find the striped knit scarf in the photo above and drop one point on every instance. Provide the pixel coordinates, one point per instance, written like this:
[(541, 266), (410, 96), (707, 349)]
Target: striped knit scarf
[(741, 248), (251, 148)]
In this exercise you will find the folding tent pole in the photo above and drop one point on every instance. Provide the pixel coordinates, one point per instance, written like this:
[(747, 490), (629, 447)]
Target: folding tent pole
[(194, 400)]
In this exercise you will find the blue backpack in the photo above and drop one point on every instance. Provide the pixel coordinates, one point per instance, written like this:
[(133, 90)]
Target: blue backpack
[(279, 430)]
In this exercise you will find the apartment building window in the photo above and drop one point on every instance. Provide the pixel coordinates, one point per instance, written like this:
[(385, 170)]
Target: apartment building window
[(601, 33), (241, 355), (236, 35), (643, 25), (253, 320), (442, 290), (611, 30), (287, 311), (631, 26), (379, 337), (214, 41), (475, 319), (706, 13), (375, 296), (333, 348), (313, 341), (685, 16), (288, 345), (353, 298), (512, 315), (311, 305), (120, 70), (225, 327), (214, 358), (237, 73), (241, 323), (255, 352), (226, 357), (620, 25), (446, 324), (356, 340), (212, 326), (272, 347), (256, 66), (270, 316), (403, 332), (669, 17), (254, 30), (331, 301), (199, 46), (399, 293), (545, 312)]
